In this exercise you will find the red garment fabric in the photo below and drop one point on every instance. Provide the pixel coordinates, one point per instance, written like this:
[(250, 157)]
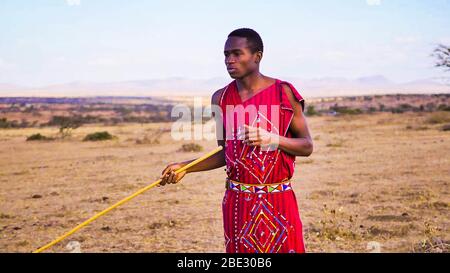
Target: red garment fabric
[(260, 223)]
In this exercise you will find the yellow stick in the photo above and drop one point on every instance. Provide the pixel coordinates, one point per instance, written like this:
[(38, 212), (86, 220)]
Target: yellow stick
[(124, 201)]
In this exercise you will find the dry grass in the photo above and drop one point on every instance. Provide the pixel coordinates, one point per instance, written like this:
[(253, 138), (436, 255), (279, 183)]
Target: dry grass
[(438, 118), (369, 179)]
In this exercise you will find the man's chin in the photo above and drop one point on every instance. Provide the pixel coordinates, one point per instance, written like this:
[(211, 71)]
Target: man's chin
[(234, 76)]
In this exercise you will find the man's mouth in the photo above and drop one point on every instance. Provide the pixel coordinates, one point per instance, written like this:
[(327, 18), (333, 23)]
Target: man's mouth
[(231, 69)]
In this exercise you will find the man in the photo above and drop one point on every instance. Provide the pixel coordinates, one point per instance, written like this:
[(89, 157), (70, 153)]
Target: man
[(260, 212)]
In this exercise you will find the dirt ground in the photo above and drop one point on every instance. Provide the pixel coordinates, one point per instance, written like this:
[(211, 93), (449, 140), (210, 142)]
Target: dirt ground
[(382, 177)]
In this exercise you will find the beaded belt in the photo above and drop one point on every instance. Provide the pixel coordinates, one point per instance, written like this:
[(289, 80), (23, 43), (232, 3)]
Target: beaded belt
[(282, 186)]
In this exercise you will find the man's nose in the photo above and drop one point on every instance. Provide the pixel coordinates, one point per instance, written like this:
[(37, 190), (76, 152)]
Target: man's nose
[(230, 60)]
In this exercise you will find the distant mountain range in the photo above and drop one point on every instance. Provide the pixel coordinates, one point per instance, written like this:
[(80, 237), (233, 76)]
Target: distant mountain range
[(177, 86)]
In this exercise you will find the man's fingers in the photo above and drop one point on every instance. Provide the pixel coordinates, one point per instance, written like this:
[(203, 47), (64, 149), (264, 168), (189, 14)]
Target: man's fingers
[(167, 178), (175, 178), (245, 130), (241, 133), (254, 136), (166, 170), (164, 177), (257, 143), (163, 181), (248, 128), (252, 142), (169, 175), (250, 134), (172, 177)]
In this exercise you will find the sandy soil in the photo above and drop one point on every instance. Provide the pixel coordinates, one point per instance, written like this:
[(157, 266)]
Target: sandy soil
[(381, 177)]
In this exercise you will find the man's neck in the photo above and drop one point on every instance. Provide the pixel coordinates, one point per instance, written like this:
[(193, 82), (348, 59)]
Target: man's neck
[(251, 82)]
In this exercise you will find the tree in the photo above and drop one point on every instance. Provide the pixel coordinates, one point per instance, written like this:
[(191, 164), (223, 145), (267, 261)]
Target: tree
[(66, 124), (442, 54), (311, 111)]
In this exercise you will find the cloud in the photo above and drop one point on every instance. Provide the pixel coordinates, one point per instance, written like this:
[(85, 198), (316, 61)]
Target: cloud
[(73, 2), (373, 2), (5, 65), (335, 55), (406, 39), (444, 40), (101, 61)]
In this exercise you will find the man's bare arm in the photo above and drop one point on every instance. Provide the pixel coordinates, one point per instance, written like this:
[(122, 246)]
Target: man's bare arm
[(168, 175), (302, 144), (217, 160)]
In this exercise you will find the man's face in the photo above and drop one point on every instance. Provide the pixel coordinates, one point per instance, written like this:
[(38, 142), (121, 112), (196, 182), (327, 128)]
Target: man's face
[(240, 61)]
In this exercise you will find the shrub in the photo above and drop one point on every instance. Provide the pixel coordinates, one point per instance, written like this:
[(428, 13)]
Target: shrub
[(98, 136), (38, 137), (444, 107), (311, 111), (154, 137), (5, 123), (372, 109), (191, 147), (438, 117), (348, 111)]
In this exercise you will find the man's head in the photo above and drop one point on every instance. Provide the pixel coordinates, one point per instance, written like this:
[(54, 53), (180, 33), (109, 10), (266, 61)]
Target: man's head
[(243, 52)]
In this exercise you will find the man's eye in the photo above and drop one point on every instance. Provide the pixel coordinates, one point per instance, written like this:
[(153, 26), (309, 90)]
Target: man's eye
[(234, 54)]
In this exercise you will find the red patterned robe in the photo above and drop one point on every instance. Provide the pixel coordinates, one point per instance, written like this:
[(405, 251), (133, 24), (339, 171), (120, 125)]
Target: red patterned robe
[(269, 222)]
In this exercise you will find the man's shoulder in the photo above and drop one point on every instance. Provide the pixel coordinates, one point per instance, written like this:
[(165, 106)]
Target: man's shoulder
[(286, 88), (292, 96), (217, 95), (215, 98)]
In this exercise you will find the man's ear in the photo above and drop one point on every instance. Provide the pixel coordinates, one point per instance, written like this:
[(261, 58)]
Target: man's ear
[(259, 56)]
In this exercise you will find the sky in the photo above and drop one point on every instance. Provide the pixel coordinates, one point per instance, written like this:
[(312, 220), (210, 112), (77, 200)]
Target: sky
[(44, 42)]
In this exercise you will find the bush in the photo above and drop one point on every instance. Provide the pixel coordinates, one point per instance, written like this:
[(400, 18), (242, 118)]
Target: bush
[(191, 147), (311, 111), (38, 137), (98, 136), (397, 111), (444, 107), (6, 124), (154, 137), (406, 106), (346, 110), (438, 117)]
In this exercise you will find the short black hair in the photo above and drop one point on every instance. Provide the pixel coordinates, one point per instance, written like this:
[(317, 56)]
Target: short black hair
[(254, 41)]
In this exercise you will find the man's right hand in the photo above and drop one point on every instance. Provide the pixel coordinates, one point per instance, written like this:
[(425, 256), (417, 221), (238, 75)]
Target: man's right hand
[(168, 174)]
